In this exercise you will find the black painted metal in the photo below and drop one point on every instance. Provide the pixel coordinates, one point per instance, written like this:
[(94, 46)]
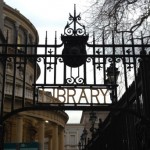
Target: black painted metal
[(86, 69)]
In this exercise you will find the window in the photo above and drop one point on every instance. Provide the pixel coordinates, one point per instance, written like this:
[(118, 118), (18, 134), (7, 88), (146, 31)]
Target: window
[(8, 32), (72, 140)]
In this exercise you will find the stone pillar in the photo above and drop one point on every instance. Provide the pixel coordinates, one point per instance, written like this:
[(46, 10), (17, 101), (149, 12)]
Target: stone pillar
[(13, 130), (61, 139), (41, 134), (55, 137), (50, 143), (19, 129), (17, 25)]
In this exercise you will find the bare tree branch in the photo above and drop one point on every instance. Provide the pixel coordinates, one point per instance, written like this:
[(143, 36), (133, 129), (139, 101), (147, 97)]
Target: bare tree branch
[(120, 16)]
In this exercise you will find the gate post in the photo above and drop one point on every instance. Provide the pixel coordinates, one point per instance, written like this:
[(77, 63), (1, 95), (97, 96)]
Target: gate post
[(145, 80), (145, 88)]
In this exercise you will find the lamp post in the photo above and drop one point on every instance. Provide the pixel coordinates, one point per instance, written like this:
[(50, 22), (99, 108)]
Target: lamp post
[(79, 145), (85, 133), (83, 140), (112, 74), (92, 119)]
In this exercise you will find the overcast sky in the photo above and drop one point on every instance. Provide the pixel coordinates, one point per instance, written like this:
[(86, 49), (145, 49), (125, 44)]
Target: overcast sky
[(51, 16)]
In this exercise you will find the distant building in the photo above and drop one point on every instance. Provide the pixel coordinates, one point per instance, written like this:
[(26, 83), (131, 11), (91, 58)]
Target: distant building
[(73, 132), (72, 136)]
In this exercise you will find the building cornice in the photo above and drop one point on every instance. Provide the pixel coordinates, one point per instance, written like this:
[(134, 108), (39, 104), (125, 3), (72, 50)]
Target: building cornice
[(9, 11)]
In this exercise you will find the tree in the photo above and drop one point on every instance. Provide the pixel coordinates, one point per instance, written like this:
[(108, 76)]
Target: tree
[(120, 16), (112, 17)]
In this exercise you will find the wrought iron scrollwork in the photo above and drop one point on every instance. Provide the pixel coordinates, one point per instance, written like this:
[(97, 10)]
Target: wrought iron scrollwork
[(89, 59), (60, 59), (75, 81), (39, 59), (114, 60), (78, 29)]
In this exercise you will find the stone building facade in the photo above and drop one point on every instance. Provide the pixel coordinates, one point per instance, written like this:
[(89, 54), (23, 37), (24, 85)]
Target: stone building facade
[(72, 136), (45, 127)]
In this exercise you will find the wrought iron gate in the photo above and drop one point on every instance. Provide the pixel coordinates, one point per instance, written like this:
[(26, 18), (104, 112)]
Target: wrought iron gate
[(110, 73)]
